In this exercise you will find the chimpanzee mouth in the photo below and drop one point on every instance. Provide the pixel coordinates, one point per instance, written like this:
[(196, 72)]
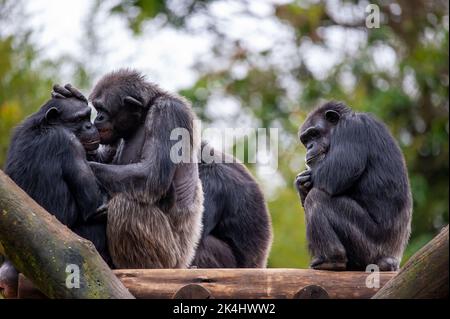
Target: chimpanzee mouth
[(91, 145), (314, 158)]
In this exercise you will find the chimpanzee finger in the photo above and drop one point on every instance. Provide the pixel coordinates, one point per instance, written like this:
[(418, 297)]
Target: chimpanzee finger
[(75, 92), (102, 209), (56, 95), (62, 90), (305, 173), (303, 179), (101, 214)]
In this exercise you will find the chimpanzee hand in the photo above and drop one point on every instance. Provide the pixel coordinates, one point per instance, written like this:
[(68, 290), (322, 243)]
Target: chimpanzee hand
[(303, 183), (9, 280), (101, 213), (67, 91)]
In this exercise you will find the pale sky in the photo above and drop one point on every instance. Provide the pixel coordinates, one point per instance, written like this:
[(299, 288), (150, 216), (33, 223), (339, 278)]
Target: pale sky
[(166, 55)]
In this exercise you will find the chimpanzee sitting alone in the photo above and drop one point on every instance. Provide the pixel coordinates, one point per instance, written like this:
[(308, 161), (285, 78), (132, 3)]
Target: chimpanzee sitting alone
[(355, 192), (47, 160)]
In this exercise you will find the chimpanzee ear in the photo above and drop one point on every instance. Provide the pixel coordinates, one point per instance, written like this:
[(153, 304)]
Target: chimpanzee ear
[(52, 114), (132, 102), (332, 116)]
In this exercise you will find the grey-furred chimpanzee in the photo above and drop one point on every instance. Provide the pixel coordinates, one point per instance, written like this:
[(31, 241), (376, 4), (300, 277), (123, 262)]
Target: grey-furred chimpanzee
[(236, 223), (355, 193), (156, 205), (47, 159)]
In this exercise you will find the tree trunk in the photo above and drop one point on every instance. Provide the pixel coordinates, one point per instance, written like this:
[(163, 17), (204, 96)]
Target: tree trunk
[(425, 275), (43, 249)]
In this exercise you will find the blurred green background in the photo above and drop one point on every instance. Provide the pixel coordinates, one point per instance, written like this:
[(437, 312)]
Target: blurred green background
[(314, 51)]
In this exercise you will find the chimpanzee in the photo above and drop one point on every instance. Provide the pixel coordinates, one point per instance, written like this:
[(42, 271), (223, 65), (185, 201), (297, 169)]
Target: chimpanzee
[(236, 223), (355, 191), (47, 160)]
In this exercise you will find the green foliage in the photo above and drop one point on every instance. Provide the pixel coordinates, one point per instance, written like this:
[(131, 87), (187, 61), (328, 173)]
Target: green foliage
[(289, 249), (138, 11)]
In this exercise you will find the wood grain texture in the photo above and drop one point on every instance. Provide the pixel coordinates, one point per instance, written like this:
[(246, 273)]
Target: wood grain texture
[(248, 283), (239, 283), (242, 283)]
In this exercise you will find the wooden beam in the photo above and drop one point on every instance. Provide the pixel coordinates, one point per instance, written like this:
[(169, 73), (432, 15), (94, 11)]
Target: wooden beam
[(41, 247), (240, 283), (424, 276)]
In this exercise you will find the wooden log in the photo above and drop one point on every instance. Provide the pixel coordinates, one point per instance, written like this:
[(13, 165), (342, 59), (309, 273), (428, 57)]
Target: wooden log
[(243, 283), (424, 276), (41, 247)]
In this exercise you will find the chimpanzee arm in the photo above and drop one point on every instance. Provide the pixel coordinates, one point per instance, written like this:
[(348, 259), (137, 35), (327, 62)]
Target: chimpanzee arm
[(82, 182), (156, 169), (347, 158)]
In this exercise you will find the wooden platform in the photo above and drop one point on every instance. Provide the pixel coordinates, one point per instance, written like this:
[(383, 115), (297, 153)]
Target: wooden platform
[(237, 283)]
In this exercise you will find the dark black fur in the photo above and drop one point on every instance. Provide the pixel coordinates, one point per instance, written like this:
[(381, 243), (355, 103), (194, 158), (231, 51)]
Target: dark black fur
[(47, 161), (236, 224), (356, 193)]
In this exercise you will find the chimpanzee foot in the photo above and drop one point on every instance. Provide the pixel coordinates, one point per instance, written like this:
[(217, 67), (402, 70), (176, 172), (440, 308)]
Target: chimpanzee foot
[(320, 263), (388, 264)]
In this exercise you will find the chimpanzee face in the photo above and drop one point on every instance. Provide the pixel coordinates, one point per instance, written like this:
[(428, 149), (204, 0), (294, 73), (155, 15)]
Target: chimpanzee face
[(103, 122), (75, 115), (118, 117), (315, 135)]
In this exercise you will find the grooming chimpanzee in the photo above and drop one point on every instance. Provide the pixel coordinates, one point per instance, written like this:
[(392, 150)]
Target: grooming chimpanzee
[(47, 160), (236, 223), (355, 192), (155, 211)]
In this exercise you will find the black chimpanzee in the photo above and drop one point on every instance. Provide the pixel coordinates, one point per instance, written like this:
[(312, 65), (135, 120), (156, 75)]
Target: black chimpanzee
[(355, 192), (47, 160)]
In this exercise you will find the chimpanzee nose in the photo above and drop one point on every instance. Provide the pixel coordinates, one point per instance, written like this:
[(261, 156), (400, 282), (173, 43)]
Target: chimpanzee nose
[(310, 146), (88, 126)]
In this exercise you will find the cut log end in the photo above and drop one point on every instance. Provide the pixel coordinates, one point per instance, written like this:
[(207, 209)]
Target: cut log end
[(312, 292)]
